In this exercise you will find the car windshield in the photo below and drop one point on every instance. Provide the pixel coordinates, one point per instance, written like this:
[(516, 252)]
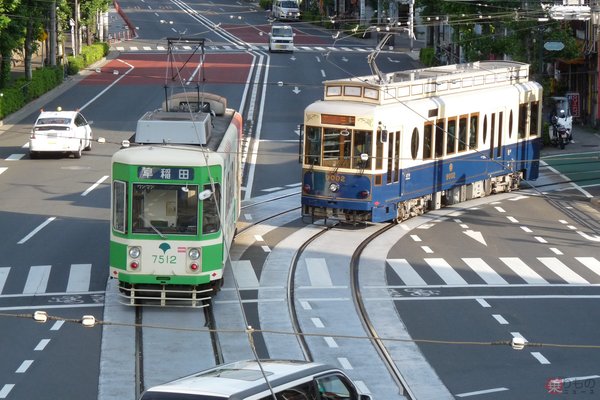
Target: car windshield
[(54, 121), (282, 32), (288, 4)]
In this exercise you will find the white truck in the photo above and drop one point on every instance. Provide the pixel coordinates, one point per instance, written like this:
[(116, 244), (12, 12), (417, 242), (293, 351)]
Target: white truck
[(285, 10)]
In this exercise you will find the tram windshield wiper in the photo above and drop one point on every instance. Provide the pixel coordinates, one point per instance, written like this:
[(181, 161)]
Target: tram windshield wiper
[(155, 229)]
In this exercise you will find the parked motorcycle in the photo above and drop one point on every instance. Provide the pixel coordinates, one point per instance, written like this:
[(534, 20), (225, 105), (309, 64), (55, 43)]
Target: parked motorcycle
[(561, 135)]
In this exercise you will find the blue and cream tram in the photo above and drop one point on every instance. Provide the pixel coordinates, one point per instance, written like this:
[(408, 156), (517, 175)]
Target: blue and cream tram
[(387, 147)]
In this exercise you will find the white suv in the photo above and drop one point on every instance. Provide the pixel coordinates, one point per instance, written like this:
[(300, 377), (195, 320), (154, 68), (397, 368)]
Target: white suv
[(60, 132)]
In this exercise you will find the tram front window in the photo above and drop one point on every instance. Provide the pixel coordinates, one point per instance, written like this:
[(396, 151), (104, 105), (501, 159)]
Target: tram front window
[(158, 208), (312, 144), (362, 145)]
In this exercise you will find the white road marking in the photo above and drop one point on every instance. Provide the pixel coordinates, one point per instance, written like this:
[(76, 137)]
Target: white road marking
[(540, 239), (500, 319), (500, 209), (560, 269), (416, 238), (6, 390), (37, 279), (518, 335), (79, 278), (526, 229), (95, 185), (3, 276), (36, 230), (57, 325), (538, 356), (513, 220), (427, 249), (593, 238), (485, 271), (317, 322), (305, 305), (445, 271), (266, 249), (330, 342), (556, 251), (476, 236), (523, 270), (590, 262), (14, 157), (244, 274), (483, 303), (480, 392), (258, 238), (345, 363), (42, 345), (2, 169), (406, 272), (248, 217), (24, 366), (318, 272)]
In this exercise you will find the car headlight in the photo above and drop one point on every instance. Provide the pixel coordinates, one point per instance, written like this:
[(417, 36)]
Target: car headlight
[(134, 252), (194, 254)]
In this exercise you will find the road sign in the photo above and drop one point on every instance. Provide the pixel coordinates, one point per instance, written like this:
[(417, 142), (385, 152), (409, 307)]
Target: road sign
[(554, 46)]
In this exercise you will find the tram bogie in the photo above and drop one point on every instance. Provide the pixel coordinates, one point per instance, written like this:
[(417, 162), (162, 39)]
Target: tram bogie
[(390, 148)]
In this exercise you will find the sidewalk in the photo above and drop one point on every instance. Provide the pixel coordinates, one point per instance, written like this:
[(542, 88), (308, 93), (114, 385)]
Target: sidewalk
[(586, 139)]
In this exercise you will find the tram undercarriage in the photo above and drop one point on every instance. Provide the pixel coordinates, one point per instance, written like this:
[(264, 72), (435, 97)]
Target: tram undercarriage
[(196, 296)]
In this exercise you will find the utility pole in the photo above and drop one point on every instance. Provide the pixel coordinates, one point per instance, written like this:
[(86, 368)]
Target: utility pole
[(411, 21), (77, 42), (52, 34)]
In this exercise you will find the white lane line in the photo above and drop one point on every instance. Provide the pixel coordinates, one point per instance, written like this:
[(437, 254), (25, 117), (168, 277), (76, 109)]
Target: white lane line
[(2, 169), (317, 322), (556, 251), (36, 230), (42, 345), (500, 209), (500, 319), (518, 335), (345, 363), (330, 342), (305, 305), (590, 262), (37, 279), (95, 185), (513, 220), (24, 366), (445, 271), (131, 68), (3, 276), (464, 226), (540, 357), (581, 378), (480, 392), (486, 272), (318, 272), (259, 238), (403, 269), (526, 229), (79, 278), (266, 249), (540, 239), (14, 157), (523, 270), (6, 390), (244, 274), (416, 238), (562, 270), (483, 303), (427, 249), (57, 325), (248, 217)]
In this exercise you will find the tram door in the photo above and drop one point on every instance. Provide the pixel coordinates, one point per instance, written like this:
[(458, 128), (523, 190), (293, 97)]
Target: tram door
[(492, 134)]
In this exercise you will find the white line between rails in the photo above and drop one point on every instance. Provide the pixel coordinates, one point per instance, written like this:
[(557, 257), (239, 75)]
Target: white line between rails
[(131, 68), (36, 230)]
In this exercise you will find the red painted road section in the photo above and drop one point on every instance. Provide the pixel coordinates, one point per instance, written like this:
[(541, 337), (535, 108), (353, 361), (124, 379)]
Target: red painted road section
[(252, 34), (154, 68)]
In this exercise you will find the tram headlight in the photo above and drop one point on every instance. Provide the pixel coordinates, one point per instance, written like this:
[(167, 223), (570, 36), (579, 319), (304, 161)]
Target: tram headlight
[(134, 252), (334, 187), (194, 254)]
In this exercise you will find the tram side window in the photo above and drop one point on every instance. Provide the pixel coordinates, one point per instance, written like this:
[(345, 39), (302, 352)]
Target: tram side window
[(534, 127), (362, 145), (462, 133), (473, 131), (119, 206), (522, 121), (427, 141), (211, 221), (312, 145), (451, 137), (439, 138)]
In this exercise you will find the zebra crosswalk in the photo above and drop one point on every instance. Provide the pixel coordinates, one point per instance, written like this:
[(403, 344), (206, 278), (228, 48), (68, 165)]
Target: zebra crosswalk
[(253, 47), (499, 271), (78, 280)]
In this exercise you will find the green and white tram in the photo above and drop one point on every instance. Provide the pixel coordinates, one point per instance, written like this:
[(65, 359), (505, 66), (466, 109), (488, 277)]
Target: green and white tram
[(176, 201)]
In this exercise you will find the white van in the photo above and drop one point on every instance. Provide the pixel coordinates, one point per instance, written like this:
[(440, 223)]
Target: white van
[(60, 132), (281, 38), (245, 380), (285, 10)]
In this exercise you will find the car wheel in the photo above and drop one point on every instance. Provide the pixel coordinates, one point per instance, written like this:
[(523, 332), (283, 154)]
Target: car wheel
[(33, 155), (77, 154), (89, 146)]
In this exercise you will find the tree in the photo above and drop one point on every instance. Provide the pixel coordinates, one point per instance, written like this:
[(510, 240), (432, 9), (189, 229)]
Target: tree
[(10, 37)]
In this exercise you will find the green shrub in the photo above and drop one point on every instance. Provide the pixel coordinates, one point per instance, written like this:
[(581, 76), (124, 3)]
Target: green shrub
[(427, 56), (265, 4), (88, 56)]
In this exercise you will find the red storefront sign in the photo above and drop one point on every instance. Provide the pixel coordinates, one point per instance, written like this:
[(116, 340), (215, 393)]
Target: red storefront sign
[(575, 105)]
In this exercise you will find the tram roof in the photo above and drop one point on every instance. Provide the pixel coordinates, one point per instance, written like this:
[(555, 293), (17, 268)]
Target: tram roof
[(426, 82)]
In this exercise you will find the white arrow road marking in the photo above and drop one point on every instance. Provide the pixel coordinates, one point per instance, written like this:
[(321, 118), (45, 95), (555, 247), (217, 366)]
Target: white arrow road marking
[(594, 238), (475, 235)]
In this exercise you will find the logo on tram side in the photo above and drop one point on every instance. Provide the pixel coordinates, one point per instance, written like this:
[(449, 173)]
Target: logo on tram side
[(450, 175), (164, 258)]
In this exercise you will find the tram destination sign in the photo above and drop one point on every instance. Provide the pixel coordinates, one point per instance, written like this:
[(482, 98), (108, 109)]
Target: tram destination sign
[(166, 173)]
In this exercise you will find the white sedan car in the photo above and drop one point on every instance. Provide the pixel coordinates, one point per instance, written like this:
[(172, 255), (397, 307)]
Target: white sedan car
[(60, 132)]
